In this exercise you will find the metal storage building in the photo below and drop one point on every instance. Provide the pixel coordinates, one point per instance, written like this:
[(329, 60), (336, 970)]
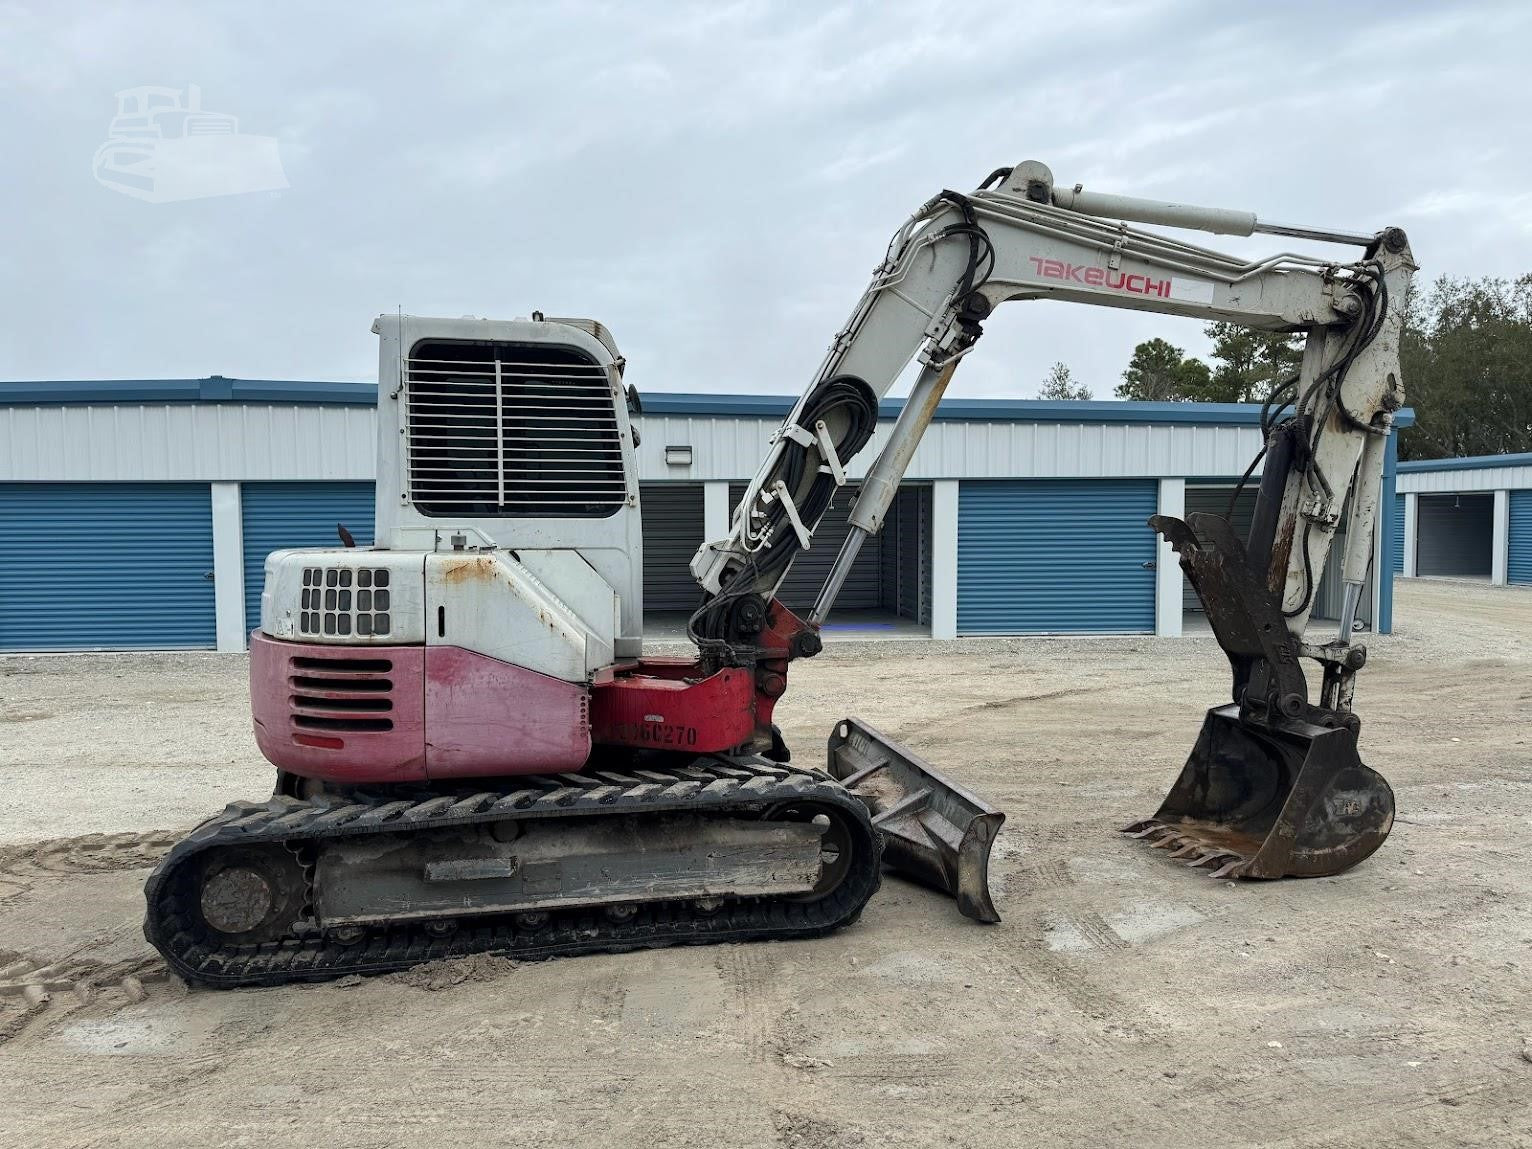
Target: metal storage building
[(137, 514), (1466, 518)]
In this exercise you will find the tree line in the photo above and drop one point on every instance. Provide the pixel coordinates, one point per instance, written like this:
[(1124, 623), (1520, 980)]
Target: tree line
[(1466, 357)]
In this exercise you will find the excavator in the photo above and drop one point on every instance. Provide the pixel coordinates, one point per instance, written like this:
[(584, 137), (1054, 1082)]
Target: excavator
[(475, 755)]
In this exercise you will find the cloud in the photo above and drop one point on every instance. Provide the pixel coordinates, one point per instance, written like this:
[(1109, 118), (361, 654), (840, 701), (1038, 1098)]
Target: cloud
[(714, 181)]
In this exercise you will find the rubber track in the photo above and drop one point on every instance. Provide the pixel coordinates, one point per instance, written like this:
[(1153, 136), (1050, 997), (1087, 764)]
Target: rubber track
[(723, 786)]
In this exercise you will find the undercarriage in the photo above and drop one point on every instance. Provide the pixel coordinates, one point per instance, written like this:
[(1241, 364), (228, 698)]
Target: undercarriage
[(723, 849)]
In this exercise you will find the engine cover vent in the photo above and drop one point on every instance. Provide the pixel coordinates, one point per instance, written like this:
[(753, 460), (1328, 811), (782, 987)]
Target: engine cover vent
[(342, 601), (342, 694), (511, 430)]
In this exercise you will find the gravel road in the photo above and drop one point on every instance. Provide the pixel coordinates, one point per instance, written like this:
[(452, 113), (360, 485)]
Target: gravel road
[(1123, 1001)]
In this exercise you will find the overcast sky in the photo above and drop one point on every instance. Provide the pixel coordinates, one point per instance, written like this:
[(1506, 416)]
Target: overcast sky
[(715, 182)]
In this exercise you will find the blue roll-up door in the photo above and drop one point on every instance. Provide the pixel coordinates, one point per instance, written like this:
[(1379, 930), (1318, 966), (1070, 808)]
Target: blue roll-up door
[(106, 566), (279, 515), (1396, 537), (1041, 556), (1519, 544)]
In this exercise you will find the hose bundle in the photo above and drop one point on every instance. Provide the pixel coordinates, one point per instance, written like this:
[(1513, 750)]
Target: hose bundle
[(849, 408)]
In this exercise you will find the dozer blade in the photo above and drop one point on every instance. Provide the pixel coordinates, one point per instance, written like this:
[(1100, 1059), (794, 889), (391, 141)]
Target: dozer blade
[(1287, 800), (934, 832)]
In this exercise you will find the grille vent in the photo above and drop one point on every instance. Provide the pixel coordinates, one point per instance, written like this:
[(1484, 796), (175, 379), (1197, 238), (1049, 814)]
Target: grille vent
[(511, 430), (345, 601), (342, 694)]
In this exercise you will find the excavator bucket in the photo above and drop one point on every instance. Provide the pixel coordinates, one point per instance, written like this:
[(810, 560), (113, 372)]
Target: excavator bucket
[(934, 831), (1286, 800)]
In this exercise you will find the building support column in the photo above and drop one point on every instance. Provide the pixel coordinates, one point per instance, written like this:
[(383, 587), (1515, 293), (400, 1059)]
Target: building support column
[(715, 511), (229, 568), (944, 558), (1382, 541), (1167, 568), (1500, 546), (1411, 519)]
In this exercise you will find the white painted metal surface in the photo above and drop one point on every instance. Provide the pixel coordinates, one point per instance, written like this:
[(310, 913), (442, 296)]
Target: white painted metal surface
[(1500, 543), (486, 602), (723, 448), (229, 566), (611, 542), (715, 509), (255, 442), (1411, 525), (1167, 568), (284, 603), (201, 442), (1477, 479), (944, 558), (494, 605)]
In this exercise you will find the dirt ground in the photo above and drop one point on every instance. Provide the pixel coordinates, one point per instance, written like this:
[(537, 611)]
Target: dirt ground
[(1123, 1001)]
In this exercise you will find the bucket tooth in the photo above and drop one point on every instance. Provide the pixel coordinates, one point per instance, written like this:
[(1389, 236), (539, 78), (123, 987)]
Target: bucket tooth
[(934, 831), (1143, 829), (1284, 799), (1227, 870)]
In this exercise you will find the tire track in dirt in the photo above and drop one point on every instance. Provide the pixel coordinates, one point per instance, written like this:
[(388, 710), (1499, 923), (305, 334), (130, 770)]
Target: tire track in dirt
[(967, 713), (802, 1131), (915, 1071), (749, 974), (602, 1001), (31, 989), (87, 853), (47, 987)]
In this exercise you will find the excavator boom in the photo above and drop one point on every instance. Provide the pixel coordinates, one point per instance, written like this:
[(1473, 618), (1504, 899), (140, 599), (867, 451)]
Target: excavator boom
[(1258, 797)]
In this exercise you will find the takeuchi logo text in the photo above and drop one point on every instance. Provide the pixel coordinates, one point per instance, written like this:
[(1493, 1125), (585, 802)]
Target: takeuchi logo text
[(1133, 283)]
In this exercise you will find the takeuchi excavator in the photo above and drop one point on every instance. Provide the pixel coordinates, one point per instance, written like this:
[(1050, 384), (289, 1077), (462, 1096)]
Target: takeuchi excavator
[(475, 755)]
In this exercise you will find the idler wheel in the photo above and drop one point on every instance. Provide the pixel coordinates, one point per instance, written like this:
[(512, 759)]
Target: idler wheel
[(834, 844), (251, 894)]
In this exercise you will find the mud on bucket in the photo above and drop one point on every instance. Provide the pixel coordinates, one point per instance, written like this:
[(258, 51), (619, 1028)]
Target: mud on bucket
[(1286, 800)]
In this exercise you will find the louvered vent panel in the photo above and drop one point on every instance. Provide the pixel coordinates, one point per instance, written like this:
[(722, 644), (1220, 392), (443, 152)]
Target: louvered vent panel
[(511, 430)]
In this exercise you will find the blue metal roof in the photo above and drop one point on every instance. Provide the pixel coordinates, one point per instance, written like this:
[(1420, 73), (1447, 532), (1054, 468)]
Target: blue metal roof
[(1466, 463), (988, 410), (217, 389), (981, 410), (214, 389)]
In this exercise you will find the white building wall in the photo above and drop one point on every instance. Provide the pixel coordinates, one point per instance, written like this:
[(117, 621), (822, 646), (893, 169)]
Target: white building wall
[(195, 442), (944, 558), (229, 566), (206, 442), (1167, 567), (226, 443), (730, 448), (1411, 525), (1500, 539), (1477, 479)]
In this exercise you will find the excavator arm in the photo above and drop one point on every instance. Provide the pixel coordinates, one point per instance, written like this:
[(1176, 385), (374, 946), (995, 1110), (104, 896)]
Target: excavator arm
[(1021, 237)]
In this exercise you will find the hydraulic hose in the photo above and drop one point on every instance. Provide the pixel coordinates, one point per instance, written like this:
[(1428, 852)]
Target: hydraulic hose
[(843, 402)]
